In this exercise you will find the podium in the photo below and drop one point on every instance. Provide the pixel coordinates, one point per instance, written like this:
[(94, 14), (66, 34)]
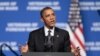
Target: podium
[(48, 54)]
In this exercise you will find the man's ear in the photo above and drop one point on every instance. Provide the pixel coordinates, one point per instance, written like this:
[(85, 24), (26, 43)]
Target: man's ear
[(42, 19)]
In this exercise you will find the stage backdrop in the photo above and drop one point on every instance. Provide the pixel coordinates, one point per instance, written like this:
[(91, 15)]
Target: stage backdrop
[(19, 17)]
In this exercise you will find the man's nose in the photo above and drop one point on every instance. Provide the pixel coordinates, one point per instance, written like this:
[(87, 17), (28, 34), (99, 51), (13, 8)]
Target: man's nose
[(51, 17)]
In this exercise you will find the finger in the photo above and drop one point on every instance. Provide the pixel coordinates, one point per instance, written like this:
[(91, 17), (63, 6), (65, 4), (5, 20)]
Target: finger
[(78, 49)]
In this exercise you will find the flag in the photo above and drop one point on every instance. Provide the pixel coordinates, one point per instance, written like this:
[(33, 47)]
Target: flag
[(75, 27)]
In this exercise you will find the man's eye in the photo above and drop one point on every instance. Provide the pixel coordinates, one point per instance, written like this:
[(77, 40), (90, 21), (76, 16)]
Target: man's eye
[(47, 15), (53, 14)]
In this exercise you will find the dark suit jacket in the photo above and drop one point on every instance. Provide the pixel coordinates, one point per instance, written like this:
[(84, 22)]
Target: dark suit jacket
[(61, 41)]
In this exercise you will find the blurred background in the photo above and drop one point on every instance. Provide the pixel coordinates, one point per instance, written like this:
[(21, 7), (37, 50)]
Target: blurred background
[(80, 17)]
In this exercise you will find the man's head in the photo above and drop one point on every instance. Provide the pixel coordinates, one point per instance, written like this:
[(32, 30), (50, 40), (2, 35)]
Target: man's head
[(48, 17)]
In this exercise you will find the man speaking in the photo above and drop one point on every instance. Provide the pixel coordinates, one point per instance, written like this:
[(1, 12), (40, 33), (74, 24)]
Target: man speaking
[(49, 38)]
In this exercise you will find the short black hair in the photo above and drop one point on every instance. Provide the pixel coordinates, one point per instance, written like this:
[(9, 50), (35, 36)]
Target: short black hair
[(45, 8)]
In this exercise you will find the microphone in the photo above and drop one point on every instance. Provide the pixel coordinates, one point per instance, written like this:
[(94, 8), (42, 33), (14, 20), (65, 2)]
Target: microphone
[(1, 52), (48, 45)]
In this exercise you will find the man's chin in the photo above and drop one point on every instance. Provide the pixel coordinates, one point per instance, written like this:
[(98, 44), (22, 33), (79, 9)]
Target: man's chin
[(52, 26)]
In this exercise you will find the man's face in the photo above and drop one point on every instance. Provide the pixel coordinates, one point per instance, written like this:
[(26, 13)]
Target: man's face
[(49, 18)]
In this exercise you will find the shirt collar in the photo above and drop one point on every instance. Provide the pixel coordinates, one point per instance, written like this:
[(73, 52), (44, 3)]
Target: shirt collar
[(46, 31)]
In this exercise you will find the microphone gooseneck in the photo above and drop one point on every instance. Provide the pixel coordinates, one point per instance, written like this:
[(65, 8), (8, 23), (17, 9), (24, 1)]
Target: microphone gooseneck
[(1, 52)]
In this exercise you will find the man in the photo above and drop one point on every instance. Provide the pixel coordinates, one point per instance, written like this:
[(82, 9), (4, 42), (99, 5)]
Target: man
[(48, 38)]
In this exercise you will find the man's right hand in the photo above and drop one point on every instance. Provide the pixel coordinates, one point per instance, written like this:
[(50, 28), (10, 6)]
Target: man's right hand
[(76, 51), (24, 49)]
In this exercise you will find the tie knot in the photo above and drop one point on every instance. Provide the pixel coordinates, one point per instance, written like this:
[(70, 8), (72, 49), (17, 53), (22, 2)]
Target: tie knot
[(49, 31)]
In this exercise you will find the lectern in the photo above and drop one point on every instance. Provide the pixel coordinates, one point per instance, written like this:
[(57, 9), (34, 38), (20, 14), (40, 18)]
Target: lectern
[(48, 54)]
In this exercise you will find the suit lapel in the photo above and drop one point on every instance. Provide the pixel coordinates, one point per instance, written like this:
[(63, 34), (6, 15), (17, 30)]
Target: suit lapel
[(56, 36), (41, 38)]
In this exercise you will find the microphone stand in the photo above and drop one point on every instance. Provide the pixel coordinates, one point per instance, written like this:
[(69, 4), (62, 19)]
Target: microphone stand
[(1, 52)]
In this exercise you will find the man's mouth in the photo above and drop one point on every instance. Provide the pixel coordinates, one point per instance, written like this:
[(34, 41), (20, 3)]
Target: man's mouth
[(53, 21)]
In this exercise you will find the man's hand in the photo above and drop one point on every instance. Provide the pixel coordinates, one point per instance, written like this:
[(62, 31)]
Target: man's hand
[(76, 51), (24, 49)]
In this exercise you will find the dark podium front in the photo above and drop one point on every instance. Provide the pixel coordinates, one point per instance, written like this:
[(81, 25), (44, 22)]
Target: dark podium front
[(48, 54)]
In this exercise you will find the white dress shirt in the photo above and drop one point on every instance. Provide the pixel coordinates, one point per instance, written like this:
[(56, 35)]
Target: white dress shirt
[(46, 31)]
